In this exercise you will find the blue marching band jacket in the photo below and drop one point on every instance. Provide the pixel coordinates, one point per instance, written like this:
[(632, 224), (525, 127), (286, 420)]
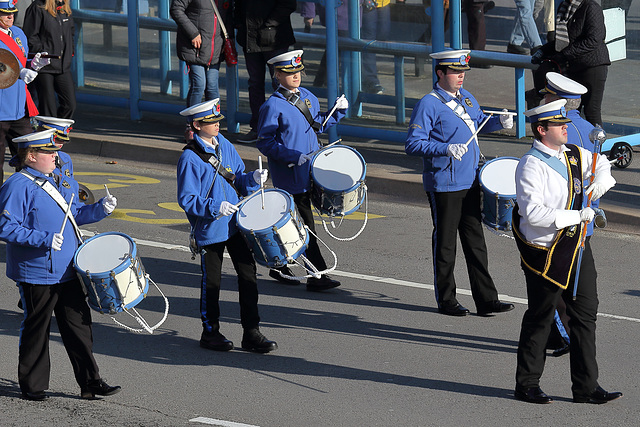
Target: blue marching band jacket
[(284, 134), (201, 190), (30, 218), (434, 125)]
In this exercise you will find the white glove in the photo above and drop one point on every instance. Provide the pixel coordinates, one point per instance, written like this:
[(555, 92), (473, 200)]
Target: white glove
[(38, 61), (506, 120), (342, 103), (456, 150), (302, 159), (109, 204), (27, 75), (56, 244), (260, 176), (587, 214), (600, 186), (227, 208)]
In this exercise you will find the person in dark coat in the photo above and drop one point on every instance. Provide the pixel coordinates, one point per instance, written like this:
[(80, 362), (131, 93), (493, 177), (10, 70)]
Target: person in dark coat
[(49, 28), (264, 31), (199, 43), (579, 52)]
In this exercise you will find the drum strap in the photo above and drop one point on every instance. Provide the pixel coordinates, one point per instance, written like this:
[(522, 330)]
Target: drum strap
[(213, 161), (551, 161), (458, 110), (56, 196), (294, 99)]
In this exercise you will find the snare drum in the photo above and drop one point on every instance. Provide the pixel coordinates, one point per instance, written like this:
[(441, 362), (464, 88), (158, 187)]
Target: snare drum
[(337, 180), (111, 272), (276, 233), (498, 182)]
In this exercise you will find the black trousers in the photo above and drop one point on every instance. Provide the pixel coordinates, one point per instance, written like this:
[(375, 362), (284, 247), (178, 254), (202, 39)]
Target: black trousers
[(543, 297), (313, 254), (73, 317), (8, 131), (48, 86), (452, 213), (245, 266), (594, 80), (475, 24)]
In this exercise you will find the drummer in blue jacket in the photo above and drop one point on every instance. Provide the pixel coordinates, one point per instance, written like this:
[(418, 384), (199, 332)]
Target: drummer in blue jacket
[(39, 259), (209, 194), (288, 127), (441, 123)]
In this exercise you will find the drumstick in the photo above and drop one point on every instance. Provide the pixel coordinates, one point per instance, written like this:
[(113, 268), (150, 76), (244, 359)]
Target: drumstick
[(66, 214), (32, 55), (479, 127), (317, 151), (508, 113), (107, 190), (237, 205), (261, 183), (332, 111)]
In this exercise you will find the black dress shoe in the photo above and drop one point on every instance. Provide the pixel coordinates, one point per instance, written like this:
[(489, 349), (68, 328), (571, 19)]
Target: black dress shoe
[(453, 310), (322, 284), (495, 307), (598, 397), (488, 6), (36, 396), (215, 341), (532, 395), (519, 50), (275, 274), (99, 388), (253, 340)]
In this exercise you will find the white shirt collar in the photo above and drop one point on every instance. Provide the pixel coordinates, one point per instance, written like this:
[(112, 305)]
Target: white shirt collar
[(453, 94), (6, 31), (555, 153), (296, 90)]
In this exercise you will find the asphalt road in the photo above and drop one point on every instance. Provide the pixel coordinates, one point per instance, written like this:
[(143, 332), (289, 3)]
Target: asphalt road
[(373, 352)]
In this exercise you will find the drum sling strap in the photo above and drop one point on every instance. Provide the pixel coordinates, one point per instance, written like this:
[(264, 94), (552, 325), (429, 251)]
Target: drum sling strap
[(213, 161), (294, 99), (56, 196), (557, 263), (459, 111)]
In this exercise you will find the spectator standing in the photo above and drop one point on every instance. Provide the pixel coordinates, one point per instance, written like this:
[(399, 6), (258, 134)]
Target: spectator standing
[(264, 31), (376, 25), (199, 43), (49, 28), (524, 29)]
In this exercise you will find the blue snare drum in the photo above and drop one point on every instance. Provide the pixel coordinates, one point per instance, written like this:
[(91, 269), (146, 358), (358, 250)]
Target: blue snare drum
[(498, 182), (337, 180), (275, 234), (111, 272)]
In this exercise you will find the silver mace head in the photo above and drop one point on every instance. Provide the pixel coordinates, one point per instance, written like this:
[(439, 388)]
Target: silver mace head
[(597, 135)]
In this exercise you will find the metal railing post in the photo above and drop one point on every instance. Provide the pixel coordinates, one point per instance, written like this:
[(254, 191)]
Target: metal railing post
[(78, 60), (331, 21), (135, 86), (233, 99), (165, 49), (521, 130), (455, 10), (398, 68), (355, 63)]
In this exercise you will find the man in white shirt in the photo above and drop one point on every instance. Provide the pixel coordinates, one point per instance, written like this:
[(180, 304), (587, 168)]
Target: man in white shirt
[(548, 222)]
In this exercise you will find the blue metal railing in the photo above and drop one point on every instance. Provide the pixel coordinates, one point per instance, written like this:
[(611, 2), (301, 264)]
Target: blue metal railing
[(351, 46)]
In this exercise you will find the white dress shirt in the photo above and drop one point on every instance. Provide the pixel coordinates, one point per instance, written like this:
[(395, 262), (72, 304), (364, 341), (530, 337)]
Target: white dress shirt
[(542, 194)]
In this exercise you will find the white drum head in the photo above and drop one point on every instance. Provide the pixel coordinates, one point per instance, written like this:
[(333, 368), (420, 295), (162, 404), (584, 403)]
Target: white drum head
[(499, 176), (251, 216), (337, 168), (104, 253)]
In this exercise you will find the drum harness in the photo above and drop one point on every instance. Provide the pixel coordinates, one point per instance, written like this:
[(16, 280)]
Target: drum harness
[(460, 111), (228, 176), (57, 197)]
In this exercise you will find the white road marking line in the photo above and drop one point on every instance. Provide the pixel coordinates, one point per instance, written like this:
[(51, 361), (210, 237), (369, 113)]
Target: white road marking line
[(387, 280), (222, 423)]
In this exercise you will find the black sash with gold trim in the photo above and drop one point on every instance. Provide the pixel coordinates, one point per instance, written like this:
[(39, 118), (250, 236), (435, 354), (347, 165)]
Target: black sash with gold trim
[(557, 263), (302, 105)]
